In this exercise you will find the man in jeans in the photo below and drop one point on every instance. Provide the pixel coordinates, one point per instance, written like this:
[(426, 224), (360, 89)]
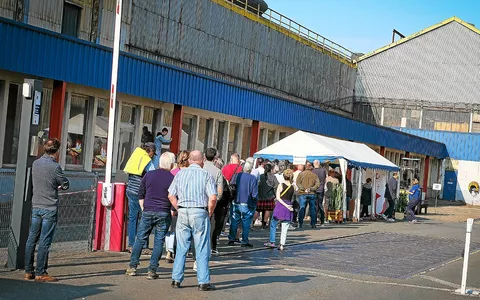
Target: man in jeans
[(222, 206), (307, 183), (153, 195), (390, 195), (322, 174), (193, 193), (244, 205), (134, 179), (48, 178)]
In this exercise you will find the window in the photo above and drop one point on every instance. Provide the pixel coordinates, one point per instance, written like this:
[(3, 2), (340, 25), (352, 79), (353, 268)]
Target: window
[(247, 132), (221, 138), (12, 130), (187, 142), (71, 19), (271, 137), (101, 131), (233, 138), (127, 135), (76, 130), (149, 122), (203, 129)]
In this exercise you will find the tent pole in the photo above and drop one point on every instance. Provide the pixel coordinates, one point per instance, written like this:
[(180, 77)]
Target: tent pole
[(359, 193), (344, 185), (374, 193)]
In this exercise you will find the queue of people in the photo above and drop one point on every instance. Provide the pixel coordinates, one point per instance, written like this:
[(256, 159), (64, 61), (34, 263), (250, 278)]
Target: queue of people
[(180, 199)]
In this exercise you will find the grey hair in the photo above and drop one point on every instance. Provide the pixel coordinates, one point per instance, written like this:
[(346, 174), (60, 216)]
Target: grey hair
[(167, 160), (248, 167), (250, 160), (316, 163)]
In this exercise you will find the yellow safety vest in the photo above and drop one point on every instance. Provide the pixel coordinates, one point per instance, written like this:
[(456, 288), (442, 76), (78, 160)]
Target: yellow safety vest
[(137, 162)]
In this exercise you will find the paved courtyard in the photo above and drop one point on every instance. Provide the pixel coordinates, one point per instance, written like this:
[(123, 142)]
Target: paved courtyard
[(370, 260)]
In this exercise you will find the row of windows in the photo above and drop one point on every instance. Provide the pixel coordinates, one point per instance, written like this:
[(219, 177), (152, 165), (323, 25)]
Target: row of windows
[(86, 126)]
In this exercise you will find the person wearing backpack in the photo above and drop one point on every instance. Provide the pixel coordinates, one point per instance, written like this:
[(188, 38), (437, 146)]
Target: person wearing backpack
[(244, 204)]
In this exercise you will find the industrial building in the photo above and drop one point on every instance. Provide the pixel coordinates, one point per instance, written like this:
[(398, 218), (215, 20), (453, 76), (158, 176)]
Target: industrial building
[(426, 82)]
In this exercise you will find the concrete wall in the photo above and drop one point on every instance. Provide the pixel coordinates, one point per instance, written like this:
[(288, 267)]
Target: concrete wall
[(205, 37)]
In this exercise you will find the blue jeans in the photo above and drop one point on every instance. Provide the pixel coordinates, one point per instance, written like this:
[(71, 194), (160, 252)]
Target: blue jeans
[(243, 214), (273, 230), (134, 211), (303, 203), (192, 223), (42, 229), (161, 222)]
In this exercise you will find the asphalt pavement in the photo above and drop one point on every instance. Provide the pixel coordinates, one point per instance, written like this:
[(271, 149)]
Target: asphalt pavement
[(367, 260)]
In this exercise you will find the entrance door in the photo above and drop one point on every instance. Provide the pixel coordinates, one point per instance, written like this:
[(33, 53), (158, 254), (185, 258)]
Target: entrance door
[(450, 185)]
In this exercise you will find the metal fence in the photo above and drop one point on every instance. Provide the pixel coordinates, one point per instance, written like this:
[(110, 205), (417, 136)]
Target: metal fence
[(76, 212), (7, 183)]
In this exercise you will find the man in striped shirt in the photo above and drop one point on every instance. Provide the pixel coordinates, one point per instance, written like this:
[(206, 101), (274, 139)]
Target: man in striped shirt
[(193, 193)]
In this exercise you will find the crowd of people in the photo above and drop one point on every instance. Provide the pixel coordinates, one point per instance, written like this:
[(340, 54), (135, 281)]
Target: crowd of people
[(181, 198)]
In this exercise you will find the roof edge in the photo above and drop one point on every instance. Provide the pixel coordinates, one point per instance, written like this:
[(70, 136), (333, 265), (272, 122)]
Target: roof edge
[(419, 33)]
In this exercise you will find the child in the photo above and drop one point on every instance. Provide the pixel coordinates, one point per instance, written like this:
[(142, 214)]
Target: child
[(283, 211)]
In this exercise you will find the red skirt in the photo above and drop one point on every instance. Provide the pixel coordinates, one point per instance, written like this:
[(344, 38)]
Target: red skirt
[(268, 204)]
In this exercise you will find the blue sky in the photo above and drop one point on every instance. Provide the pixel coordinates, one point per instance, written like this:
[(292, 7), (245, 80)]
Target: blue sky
[(366, 25)]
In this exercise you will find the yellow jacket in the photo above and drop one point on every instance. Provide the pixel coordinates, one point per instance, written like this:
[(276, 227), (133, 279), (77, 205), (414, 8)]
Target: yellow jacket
[(137, 162)]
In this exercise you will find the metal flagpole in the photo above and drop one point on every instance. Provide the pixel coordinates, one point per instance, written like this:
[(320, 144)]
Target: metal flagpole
[(107, 193)]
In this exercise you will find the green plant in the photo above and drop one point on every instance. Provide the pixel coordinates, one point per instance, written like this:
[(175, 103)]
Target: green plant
[(336, 201), (402, 202)]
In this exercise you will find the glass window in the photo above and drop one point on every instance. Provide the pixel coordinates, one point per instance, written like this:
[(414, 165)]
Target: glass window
[(220, 138), (282, 135), (148, 121), (203, 129), (247, 132), (127, 135), (187, 127), (12, 130), (168, 119), (76, 130), (261, 143), (271, 137), (101, 131), (233, 138), (71, 19)]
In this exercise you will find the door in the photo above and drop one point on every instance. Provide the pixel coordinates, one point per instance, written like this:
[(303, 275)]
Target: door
[(450, 185)]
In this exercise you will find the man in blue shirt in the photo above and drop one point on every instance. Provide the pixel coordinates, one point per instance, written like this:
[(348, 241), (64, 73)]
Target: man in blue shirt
[(244, 204), (156, 207), (415, 195), (193, 193), (160, 140)]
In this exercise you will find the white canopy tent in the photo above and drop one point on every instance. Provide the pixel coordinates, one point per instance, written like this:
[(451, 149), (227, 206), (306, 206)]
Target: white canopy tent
[(303, 146)]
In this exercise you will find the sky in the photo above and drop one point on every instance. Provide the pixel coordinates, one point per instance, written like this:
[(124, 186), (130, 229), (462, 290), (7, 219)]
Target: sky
[(363, 26)]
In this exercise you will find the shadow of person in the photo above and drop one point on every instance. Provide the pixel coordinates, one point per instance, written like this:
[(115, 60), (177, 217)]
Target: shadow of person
[(21, 289), (260, 280)]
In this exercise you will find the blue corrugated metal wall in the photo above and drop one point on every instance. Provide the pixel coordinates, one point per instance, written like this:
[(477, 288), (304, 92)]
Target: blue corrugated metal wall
[(461, 146), (46, 54)]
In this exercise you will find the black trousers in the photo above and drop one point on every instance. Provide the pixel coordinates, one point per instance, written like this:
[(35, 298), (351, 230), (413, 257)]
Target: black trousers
[(219, 218), (364, 212)]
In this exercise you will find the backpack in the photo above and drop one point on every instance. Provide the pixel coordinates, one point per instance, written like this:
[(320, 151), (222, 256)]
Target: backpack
[(232, 185)]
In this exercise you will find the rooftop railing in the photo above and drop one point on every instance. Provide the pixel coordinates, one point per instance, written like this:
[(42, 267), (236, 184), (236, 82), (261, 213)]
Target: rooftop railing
[(288, 26)]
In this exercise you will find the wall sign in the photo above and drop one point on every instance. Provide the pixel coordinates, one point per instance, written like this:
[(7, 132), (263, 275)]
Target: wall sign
[(37, 102)]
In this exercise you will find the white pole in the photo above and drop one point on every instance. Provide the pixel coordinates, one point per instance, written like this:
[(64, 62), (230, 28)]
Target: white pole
[(359, 195), (107, 195), (374, 193), (463, 286)]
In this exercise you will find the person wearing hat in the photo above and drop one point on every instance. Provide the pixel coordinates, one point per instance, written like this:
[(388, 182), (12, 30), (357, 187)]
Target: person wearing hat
[(140, 162)]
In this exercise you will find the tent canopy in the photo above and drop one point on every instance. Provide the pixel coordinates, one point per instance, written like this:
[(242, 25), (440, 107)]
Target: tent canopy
[(309, 146)]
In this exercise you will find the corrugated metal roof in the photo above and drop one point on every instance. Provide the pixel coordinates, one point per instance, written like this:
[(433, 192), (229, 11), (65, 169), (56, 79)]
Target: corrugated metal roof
[(421, 32), (461, 146), (46, 54), (441, 66)]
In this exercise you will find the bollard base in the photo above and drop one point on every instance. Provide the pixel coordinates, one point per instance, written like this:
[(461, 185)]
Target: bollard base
[(468, 292)]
